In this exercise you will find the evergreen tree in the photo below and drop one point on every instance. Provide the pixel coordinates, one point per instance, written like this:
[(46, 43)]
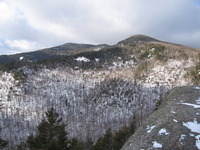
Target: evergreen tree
[(120, 138), (76, 145), (115, 141), (51, 134), (3, 143), (105, 142)]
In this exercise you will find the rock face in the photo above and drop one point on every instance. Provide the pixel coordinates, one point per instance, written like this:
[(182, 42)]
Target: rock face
[(174, 126)]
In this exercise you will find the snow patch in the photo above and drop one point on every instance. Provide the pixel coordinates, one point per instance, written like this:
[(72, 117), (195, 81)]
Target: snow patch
[(175, 120), (191, 134), (156, 144), (21, 58), (149, 55), (153, 49), (190, 104), (150, 128), (193, 126), (197, 141), (182, 138), (173, 112), (198, 88), (163, 131), (84, 59), (97, 59)]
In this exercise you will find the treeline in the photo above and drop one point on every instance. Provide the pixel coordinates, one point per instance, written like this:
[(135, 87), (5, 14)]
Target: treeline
[(52, 135)]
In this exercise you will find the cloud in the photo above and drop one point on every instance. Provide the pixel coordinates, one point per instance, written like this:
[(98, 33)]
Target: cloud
[(21, 45), (4, 9), (50, 23)]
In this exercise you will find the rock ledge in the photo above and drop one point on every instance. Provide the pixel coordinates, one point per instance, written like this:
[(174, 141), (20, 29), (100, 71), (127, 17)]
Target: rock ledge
[(174, 126)]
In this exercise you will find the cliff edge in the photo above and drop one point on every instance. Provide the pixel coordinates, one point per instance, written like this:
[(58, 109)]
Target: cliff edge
[(175, 125)]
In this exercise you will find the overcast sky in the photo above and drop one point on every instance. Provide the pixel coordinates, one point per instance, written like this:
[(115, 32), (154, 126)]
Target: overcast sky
[(27, 25)]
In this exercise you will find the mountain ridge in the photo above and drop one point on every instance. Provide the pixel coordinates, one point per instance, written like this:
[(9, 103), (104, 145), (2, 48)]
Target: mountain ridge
[(53, 52), (75, 48)]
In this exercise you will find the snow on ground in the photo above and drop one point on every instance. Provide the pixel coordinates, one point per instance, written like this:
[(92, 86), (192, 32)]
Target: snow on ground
[(193, 105), (163, 131), (173, 112), (150, 128), (198, 88), (21, 58), (175, 120), (156, 144), (84, 59), (194, 127), (198, 141), (189, 104), (182, 138), (191, 134), (97, 59)]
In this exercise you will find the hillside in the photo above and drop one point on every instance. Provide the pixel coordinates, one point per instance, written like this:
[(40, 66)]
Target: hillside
[(94, 89), (175, 125), (53, 52)]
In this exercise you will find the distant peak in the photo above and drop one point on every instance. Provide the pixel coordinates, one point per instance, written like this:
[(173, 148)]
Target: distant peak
[(141, 36), (137, 38)]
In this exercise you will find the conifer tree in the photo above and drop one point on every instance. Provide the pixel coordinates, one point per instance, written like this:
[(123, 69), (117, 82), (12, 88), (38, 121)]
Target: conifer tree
[(3, 143), (76, 145), (51, 134), (105, 142), (120, 138)]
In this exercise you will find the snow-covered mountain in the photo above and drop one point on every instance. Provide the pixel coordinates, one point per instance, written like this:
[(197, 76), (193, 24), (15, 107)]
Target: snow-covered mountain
[(94, 90)]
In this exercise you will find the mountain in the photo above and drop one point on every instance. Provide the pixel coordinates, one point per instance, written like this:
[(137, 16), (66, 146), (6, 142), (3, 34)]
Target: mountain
[(174, 125), (54, 52), (137, 38), (93, 88)]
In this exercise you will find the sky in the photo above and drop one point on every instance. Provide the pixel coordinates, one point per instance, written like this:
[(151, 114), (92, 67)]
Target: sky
[(28, 25)]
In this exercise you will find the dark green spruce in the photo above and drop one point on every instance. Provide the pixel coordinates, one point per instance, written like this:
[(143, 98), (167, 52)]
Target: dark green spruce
[(51, 134)]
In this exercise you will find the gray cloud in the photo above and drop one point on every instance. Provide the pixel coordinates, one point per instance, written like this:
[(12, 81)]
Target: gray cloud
[(30, 25)]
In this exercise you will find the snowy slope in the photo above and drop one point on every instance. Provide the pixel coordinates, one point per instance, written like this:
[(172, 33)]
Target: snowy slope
[(88, 101)]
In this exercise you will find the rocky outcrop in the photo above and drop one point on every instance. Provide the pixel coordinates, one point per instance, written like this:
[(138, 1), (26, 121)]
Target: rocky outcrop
[(174, 126)]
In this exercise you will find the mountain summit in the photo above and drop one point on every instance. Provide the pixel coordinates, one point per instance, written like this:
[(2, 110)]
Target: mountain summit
[(137, 38)]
